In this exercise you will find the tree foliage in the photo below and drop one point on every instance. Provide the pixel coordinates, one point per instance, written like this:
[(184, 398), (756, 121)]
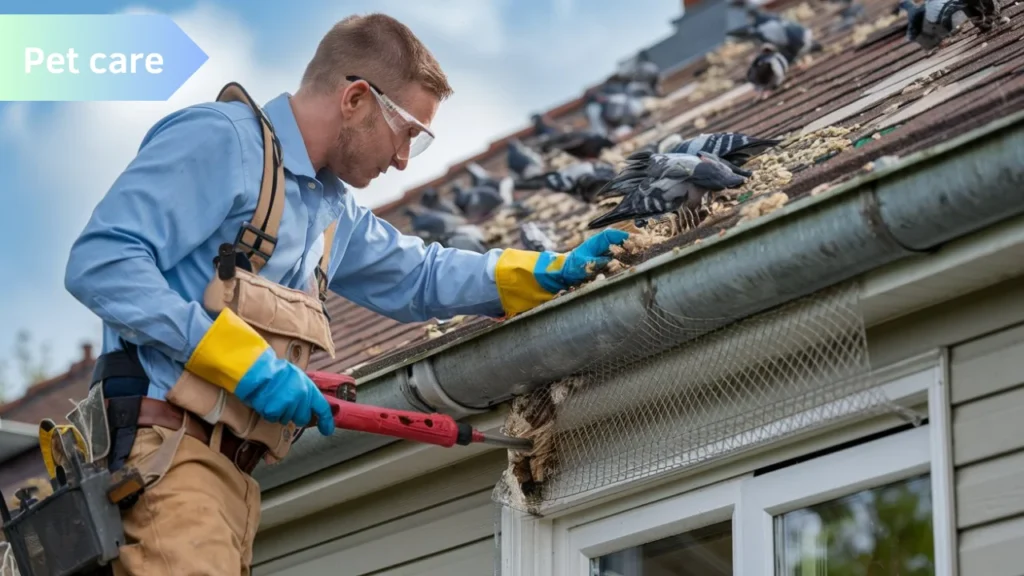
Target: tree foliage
[(32, 366)]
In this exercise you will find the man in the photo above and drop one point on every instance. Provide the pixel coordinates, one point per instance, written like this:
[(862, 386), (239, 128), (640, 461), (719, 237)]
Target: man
[(145, 265)]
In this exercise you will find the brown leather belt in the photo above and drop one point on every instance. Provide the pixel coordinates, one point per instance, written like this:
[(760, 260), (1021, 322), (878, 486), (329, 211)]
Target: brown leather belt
[(244, 453)]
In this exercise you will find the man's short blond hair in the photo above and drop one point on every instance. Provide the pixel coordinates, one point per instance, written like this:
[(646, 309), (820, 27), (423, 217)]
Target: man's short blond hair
[(378, 48)]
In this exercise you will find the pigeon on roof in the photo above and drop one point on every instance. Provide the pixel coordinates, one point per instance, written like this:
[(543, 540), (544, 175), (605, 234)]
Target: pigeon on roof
[(733, 147), (523, 161), (534, 238), (791, 38), (432, 224), (432, 199), (466, 238), (481, 201), (583, 144), (768, 70), (541, 126), (582, 179), (479, 176), (931, 23), (985, 14), (593, 109), (656, 184)]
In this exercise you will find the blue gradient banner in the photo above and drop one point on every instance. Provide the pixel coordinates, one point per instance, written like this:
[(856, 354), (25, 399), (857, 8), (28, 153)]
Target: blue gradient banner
[(91, 57)]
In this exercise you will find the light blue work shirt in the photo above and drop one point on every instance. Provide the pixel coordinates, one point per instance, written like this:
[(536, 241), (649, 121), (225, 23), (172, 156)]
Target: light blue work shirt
[(146, 256)]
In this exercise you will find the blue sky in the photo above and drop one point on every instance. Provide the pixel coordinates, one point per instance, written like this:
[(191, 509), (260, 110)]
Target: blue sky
[(505, 59)]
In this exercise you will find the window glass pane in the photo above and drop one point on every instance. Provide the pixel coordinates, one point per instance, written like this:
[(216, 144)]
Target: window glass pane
[(886, 530), (703, 552)]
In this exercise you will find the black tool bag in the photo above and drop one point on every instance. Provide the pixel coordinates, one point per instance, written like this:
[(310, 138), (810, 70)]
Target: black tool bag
[(77, 530)]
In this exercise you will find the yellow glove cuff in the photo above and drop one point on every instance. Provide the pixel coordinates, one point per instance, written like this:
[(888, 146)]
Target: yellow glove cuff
[(518, 287), (228, 349)]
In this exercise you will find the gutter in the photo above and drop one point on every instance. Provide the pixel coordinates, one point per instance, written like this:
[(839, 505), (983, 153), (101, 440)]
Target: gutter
[(926, 200)]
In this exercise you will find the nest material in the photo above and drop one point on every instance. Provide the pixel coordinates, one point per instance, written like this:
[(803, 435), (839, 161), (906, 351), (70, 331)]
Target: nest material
[(762, 206), (774, 168), (533, 416)]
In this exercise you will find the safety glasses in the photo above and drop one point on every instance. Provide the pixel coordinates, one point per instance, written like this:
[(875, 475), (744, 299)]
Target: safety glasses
[(402, 123)]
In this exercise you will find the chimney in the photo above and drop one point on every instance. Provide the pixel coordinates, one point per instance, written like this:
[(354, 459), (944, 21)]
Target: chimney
[(86, 352)]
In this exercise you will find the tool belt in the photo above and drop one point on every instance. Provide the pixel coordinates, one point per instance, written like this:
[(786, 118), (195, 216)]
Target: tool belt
[(77, 530)]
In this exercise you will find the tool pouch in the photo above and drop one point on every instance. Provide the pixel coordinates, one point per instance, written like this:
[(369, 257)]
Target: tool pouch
[(75, 530), (291, 321)]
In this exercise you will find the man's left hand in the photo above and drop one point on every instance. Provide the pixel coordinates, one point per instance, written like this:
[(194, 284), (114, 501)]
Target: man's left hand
[(527, 279)]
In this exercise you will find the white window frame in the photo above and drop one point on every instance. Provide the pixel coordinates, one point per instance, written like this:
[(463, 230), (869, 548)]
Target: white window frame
[(564, 545)]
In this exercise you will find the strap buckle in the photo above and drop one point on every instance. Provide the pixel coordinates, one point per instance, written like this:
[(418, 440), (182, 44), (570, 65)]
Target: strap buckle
[(261, 237)]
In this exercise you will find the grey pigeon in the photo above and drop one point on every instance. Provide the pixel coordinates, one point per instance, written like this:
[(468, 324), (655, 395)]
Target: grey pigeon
[(523, 161), (432, 199), (733, 147), (768, 70), (432, 224), (985, 14), (479, 176), (481, 201), (582, 144), (933, 22), (534, 238), (656, 184), (464, 240), (593, 107), (791, 38), (541, 126), (581, 179)]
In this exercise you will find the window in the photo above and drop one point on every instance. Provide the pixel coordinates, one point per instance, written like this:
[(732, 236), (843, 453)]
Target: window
[(705, 551), (878, 505), (884, 530)]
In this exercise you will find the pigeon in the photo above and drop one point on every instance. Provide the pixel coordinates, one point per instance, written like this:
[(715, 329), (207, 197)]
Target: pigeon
[(593, 107), (641, 75), (849, 15), (656, 184), (582, 144), (792, 39), (768, 70), (433, 200), (523, 161), (432, 224), (933, 22), (480, 201), (985, 14), (533, 238), (582, 179), (465, 239), (540, 126), (733, 147), (479, 176)]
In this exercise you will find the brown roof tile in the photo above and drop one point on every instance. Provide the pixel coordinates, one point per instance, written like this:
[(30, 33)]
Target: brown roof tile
[(868, 78)]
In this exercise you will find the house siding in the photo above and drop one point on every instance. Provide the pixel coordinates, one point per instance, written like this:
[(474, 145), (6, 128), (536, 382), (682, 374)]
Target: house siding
[(987, 397), (441, 523)]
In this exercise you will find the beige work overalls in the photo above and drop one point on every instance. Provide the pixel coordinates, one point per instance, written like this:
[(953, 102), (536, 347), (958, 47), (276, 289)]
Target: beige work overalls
[(199, 513)]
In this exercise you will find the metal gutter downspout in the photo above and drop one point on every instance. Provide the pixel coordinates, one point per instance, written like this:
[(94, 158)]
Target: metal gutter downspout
[(928, 199)]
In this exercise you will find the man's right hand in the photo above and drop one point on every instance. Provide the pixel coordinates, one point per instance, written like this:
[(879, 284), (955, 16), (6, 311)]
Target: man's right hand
[(235, 357), (280, 392)]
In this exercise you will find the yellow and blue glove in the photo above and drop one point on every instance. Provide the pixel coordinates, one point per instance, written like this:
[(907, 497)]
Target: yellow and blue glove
[(527, 279), (235, 357)]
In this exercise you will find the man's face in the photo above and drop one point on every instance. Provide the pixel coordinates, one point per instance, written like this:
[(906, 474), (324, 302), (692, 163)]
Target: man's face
[(367, 145)]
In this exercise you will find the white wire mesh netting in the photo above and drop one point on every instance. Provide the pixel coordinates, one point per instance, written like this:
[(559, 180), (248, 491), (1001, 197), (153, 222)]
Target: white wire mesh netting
[(726, 387)]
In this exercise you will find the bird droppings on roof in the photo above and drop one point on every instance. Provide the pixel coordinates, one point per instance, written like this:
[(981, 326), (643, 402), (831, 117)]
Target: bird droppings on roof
[(869, 94)]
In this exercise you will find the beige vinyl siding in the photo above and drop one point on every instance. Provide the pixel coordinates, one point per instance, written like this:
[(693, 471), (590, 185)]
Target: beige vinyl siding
[(442, 523), (987, 395)]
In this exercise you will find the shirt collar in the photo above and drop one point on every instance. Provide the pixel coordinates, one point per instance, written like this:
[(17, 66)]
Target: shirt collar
[(293, 147)]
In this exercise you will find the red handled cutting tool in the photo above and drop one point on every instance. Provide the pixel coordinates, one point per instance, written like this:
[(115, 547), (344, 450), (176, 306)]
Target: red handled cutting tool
[(437, 429)]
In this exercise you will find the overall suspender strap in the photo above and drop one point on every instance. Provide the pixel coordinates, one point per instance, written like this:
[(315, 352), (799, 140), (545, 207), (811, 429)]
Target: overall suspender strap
[(258, 238)]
